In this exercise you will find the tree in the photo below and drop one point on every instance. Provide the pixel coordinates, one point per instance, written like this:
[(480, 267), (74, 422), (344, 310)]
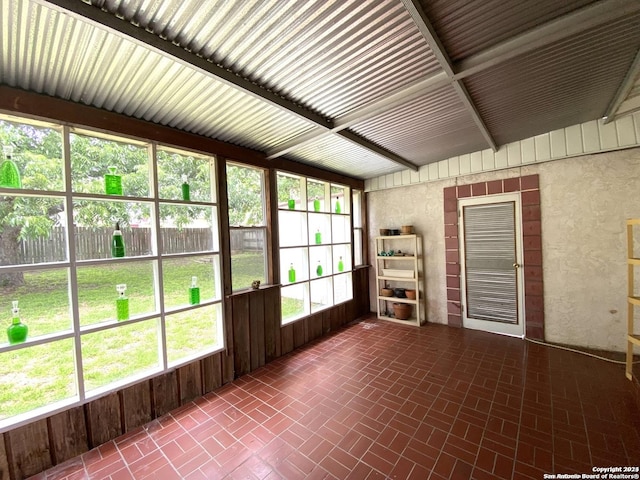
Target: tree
[(38, 154), (244, 196)]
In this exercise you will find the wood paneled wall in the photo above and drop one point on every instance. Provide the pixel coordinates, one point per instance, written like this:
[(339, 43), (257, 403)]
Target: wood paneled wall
[(254, 338)]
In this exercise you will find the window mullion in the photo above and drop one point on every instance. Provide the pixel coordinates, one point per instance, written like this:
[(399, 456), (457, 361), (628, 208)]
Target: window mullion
[(156, 242), (71, 252)]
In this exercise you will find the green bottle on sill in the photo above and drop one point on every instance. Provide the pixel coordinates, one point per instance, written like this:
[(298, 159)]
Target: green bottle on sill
[(117, 243), (17, 331), (319, 269), (318, 237), (9, 173), (338, 208), (112, 182), (292, 274), (194, 292), (122, 303), (340, 265), (186, 190)]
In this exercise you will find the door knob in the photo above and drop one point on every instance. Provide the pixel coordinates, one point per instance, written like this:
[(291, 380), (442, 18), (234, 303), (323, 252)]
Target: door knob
[(516, 265)]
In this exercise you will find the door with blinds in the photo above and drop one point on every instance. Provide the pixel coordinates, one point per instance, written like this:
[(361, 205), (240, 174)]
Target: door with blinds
[(491, 257)]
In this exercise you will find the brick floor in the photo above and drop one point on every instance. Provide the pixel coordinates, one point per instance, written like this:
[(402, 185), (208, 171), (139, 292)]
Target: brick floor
[(379, 400)]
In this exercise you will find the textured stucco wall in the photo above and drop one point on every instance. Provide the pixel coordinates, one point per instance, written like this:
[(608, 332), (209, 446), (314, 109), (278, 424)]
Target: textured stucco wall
[(584, 201), (421, 206)]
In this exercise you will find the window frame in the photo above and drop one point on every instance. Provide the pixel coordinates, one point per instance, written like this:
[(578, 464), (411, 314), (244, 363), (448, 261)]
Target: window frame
[(306, 246), (156, 258), (359, 223), (264, 228)]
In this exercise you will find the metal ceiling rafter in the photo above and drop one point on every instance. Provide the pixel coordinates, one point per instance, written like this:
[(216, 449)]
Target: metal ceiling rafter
[(623, 90), (568, 25), (400, 96), (428, 32), (144, 38), (147, 39), (565, 26)]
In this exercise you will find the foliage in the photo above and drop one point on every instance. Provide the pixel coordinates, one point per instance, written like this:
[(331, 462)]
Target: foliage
[(245, 196), (288, 187), (37, 153)]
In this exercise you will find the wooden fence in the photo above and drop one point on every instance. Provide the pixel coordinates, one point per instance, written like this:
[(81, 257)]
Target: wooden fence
[(96, 243)]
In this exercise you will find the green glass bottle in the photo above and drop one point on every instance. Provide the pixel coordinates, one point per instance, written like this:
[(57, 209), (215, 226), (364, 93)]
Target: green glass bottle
[(186, 190), (112, 182), (319, 269), (9, 173), (17, 331), (291, 203), (122, 303), (318, 237), (292, 274), (117, 243), (338, 208), (316, 205), (194, 292), (340, 265)]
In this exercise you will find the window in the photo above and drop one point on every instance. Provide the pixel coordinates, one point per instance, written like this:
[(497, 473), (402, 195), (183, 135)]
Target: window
[(315, 245), (248, 230), (358, 229), (87, 334)]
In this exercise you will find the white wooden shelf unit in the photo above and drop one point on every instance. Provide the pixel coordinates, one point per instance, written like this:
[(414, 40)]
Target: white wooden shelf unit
[(633, 298), (400, 271)]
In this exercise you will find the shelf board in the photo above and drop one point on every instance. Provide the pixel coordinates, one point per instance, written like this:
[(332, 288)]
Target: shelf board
[(397, 257), (399, 300), (634, 339), (411, 321), (397, 237), (633, 261), (633, 221), (399, 279), (634, 300)]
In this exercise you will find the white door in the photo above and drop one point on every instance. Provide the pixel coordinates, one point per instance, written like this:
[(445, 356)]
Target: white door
[(491, 259)]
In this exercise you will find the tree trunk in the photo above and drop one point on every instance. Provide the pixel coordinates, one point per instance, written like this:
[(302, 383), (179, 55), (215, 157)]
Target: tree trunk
[(10, 255)]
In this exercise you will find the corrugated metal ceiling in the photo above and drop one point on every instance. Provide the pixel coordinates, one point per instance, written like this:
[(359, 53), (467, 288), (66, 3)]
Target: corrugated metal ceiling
[(328, 56), (538, 92), (332, 152), (469, 27), (436, 124), (352, 86)]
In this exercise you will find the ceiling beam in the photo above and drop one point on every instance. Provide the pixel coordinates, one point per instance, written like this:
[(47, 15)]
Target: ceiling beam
[(623, 90), (354, 138), (464, 96), (298, 141), (563, 27), (429, 33), (147, 39), (566, 26), (400, 96)]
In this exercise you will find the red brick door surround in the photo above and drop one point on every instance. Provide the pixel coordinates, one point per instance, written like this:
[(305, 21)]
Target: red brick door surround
[(529, 189)]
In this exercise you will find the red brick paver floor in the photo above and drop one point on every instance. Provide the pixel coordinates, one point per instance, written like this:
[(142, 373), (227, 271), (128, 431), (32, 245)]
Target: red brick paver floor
[(379, 400)]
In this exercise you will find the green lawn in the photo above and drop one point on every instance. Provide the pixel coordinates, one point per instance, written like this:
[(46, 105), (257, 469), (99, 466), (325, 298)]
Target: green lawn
[(37, 376)]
